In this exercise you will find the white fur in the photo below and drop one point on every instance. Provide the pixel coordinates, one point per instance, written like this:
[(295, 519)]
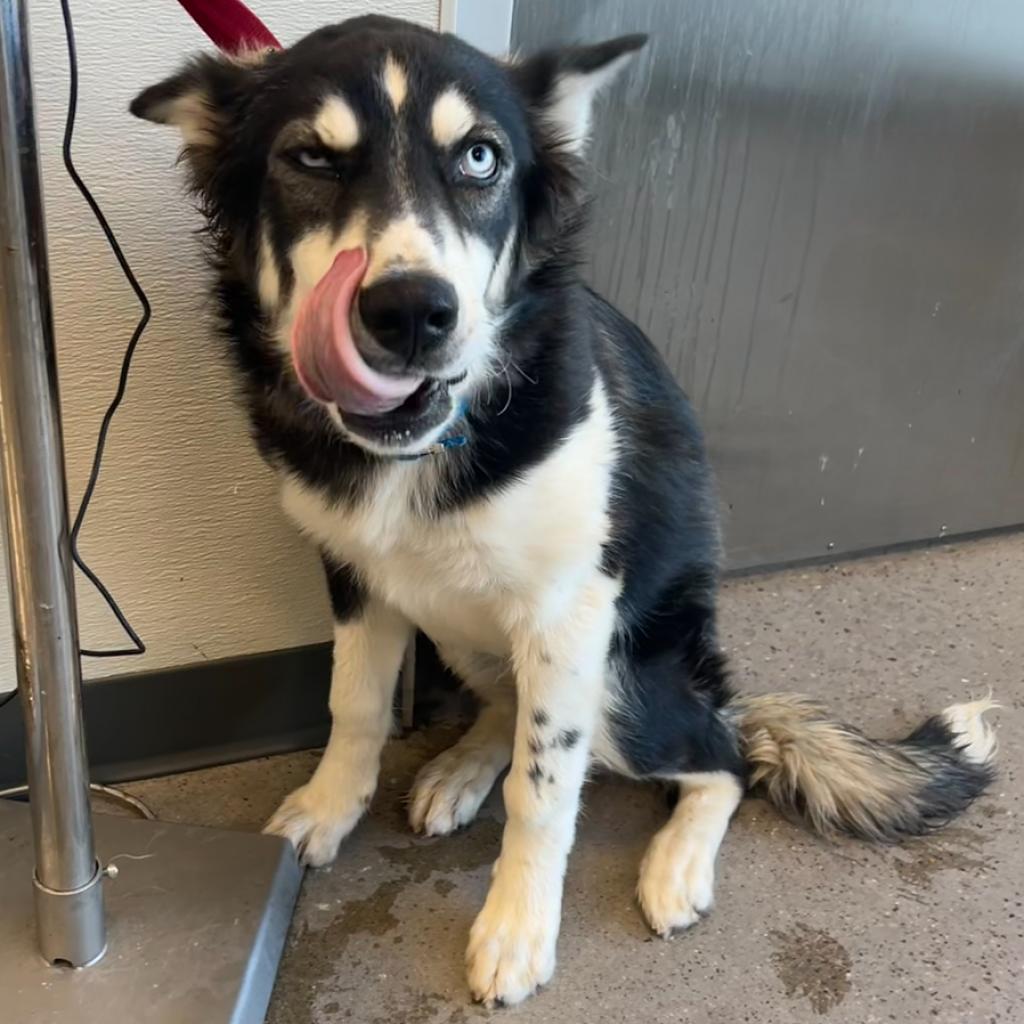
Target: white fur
[(977, 737), (451, 118), (677, 876), (395, 82), (336, 124), (367, 655), (404, 244), (457, 577), (571, 103), (560, 662)]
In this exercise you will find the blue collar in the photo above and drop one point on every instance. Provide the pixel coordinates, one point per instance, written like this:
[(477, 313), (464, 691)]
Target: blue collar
[(449, 441)]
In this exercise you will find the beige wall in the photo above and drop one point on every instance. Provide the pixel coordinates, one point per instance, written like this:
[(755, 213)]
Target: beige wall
[(185, 526)]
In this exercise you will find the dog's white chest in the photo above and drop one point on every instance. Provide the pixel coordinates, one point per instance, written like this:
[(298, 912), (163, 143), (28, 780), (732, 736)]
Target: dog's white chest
[(463, 576)]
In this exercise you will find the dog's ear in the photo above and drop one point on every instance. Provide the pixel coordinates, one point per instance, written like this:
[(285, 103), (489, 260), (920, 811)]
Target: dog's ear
[(205, 101), (560, 85)]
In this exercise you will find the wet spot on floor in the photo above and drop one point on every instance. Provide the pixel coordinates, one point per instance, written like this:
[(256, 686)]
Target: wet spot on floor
[(428, 1008), (423, 858), (955, 849), (321, 948), (812, 964)]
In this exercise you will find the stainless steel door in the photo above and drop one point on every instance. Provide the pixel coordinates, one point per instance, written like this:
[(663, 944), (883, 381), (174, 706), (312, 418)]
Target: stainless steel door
[(816, 210)]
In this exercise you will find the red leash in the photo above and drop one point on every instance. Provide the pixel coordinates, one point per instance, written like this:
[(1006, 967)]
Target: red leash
[(230, 25)]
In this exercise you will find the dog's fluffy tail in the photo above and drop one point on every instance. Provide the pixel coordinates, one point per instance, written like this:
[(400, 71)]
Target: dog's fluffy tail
[(837, 780)]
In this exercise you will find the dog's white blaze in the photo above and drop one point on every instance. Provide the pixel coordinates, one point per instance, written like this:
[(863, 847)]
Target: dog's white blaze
[(451, 118), (571, 102), (268, 280), (396, 84), (336, 124), (677, 877), (404, 244)]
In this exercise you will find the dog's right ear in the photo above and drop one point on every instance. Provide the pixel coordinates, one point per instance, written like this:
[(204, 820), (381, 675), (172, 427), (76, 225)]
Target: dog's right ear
[(560, 85), (205, 101)]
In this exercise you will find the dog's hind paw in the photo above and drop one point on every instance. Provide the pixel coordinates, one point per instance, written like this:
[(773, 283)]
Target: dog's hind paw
[(449, 790), (677, 880)]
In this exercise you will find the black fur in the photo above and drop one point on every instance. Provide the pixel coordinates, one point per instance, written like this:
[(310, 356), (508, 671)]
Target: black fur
[(347, 593), (953, 781)]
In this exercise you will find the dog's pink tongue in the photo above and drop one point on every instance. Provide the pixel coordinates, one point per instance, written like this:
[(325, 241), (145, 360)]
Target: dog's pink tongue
[(327, 361)]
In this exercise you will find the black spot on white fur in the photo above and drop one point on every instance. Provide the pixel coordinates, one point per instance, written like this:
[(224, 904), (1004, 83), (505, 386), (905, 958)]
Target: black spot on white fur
[(568, 738)]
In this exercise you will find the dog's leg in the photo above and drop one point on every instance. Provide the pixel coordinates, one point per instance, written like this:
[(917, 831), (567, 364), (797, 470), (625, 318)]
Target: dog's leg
[(449, 790), (369, 641), (559, 681), (677, 876)]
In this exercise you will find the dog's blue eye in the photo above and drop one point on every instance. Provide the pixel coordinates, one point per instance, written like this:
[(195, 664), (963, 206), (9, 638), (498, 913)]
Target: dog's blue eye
[(479, 161), (315, 159)]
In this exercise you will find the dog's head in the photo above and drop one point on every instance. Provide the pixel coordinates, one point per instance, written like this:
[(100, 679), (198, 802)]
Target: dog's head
[(385, 191)]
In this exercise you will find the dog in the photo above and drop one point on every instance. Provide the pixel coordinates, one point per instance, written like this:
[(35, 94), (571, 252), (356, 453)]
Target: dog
[(484, 449)]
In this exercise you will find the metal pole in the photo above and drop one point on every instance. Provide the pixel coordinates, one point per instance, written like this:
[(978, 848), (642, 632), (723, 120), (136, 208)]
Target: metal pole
[(68, 890)]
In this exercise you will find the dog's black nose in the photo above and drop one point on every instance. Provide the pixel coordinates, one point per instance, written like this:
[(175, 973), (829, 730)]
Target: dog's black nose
[(411, 314)]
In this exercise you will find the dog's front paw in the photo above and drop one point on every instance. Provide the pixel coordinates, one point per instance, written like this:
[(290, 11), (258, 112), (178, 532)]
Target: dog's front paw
[(511, 948), (315, 821), (677, 880)]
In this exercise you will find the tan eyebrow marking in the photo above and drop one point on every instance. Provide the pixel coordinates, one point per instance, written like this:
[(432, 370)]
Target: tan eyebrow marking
[(336, 124), (451, 117)]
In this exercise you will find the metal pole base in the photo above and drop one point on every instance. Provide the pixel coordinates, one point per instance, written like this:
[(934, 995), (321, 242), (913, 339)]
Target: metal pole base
[(196, 919), (70, 924)]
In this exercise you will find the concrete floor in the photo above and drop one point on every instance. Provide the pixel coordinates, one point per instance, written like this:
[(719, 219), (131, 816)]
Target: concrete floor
[(803, 930)]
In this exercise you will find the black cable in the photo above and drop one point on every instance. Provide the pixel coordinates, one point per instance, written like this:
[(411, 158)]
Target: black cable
[(138, 647)]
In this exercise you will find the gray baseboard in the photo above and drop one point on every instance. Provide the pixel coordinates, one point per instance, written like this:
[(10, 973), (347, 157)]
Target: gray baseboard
[(215, 712)]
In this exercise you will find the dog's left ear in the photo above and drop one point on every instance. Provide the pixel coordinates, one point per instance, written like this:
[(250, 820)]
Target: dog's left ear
[(205, 101), (560, 85)]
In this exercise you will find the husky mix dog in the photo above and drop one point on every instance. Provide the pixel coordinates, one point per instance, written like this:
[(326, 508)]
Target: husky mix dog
[(485, 450)]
